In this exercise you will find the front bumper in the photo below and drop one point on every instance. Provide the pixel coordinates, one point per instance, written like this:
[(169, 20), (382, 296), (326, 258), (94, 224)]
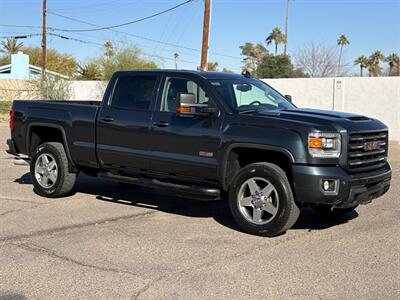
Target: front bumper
[(352, 189), (12, 148)]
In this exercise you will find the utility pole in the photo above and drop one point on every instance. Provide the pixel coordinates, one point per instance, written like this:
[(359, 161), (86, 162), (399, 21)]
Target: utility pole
[(206, 34), (286, 27), (44, 41)]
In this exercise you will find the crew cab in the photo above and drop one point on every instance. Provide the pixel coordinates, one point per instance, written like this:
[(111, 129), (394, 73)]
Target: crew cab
[(207, 135)]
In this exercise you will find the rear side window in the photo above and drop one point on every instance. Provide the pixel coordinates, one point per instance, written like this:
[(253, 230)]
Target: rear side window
[(133, 92)]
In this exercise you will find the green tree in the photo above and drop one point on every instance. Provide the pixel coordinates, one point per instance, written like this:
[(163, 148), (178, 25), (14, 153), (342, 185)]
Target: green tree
[(394, 64), (374, 63), (176, 56), (4, 60), (212, 66), (58, 62), (89, 71), (277, 37), (52, 88), (277, 66), (362, 60), (253, 54), (11, 46), (342, 41), (108, 49), (226, 70), (122, 58)]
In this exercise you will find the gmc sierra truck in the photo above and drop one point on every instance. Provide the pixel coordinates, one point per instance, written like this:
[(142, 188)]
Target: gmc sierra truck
[(207, 135)]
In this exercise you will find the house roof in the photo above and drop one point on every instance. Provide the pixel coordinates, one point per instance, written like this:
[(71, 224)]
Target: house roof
[(33, 69)]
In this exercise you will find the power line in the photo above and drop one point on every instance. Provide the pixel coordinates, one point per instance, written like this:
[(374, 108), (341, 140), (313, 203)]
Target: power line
[(126, 23), (21, 36), (143, 38)]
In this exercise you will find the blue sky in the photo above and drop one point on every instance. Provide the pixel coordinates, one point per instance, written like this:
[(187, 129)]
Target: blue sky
[(370, 25)]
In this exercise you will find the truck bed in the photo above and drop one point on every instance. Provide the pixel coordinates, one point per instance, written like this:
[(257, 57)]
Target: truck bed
[(75, 119)]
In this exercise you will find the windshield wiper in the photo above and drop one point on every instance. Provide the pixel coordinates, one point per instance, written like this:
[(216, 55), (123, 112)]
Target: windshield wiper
[(247, 111)]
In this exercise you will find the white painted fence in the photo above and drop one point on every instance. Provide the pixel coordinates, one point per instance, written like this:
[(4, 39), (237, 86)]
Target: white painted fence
[(377, 97)]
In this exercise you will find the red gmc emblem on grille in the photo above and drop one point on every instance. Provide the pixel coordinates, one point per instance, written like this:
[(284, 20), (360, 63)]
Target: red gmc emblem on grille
[(373, 145)]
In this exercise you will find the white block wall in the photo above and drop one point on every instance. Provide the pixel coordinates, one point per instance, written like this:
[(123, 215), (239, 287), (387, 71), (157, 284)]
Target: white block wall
[(376, 97)]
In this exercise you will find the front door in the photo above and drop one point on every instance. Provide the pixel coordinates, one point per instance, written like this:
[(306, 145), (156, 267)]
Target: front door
[(124, 124), (184, 146)]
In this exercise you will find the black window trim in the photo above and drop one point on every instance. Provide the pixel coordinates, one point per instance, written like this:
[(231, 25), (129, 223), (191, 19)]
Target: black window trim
[(153, 97)]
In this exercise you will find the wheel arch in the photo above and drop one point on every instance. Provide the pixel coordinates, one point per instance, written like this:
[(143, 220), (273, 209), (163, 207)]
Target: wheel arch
[(232, 152), (60, 136)]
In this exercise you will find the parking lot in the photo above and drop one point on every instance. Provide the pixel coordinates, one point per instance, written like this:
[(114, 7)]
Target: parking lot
[(108, 241)]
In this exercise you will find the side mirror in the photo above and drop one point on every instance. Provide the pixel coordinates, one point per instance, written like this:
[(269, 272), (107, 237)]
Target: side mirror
[(186, 106), (288, 98)]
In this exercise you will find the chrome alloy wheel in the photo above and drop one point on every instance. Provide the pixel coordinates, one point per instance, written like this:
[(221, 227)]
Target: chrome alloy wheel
[(46, 170), (258, 200)]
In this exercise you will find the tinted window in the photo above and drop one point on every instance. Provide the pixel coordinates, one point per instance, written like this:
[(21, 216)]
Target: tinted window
[(134, 92), (174, 86)]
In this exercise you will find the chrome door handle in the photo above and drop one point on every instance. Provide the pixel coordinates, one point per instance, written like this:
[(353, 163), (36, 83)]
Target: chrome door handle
[(107, 119)]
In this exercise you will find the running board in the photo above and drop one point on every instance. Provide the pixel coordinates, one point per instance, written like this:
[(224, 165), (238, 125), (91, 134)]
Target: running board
[(188, 190)]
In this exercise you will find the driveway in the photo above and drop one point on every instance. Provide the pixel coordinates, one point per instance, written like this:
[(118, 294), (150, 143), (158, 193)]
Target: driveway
[(108, 241)]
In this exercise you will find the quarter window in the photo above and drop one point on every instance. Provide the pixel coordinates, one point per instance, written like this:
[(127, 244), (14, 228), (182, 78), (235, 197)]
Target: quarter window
[(132, 92)]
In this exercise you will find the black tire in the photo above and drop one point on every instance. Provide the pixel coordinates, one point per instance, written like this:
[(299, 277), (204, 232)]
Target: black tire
[(287, 211), (327, 210), (65, 181)]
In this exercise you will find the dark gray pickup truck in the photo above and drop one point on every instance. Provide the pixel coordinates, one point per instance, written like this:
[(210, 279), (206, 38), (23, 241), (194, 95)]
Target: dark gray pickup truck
[(207, 135)]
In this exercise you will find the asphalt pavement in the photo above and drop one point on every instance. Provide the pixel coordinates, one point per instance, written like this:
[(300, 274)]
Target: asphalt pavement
[(109, 241)]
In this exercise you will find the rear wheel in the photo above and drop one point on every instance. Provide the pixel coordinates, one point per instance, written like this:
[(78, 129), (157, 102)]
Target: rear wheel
[(50, 171), (261, 200)]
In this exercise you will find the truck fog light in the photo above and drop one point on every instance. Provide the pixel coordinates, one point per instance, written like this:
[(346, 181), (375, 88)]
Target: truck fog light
[(330, 186)]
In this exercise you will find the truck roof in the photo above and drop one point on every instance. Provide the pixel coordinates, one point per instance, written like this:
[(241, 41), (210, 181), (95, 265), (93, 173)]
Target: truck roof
[(204, 74)]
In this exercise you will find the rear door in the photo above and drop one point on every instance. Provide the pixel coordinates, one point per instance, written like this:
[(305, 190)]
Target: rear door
[(184, 146), (124, 123)]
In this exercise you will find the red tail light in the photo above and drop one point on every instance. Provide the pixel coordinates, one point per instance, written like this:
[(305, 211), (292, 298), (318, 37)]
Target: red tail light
[(11, 119)]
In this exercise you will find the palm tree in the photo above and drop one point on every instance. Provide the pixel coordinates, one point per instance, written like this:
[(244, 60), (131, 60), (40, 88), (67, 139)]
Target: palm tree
[(176, 56), (212, 66), (394, 64), (275, 36), (363, 62), (373, 63), (342, 41), (90, 71), (11, 46)]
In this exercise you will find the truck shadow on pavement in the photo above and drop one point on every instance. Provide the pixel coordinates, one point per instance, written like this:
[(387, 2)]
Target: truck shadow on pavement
[(161, 201), (11, 296)]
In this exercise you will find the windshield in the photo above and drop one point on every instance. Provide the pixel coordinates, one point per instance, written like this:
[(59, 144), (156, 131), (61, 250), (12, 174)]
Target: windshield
[(250, 94)]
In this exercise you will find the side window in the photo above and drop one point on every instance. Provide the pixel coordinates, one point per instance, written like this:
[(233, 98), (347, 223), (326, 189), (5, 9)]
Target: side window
[(134, 92), (174, 86)]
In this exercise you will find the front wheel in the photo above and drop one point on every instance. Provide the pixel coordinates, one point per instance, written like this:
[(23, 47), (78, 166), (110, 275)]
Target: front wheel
[(261, 200), (49, 171)]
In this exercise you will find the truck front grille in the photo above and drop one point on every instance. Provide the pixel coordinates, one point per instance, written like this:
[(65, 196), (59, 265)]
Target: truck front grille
[(367, 150)]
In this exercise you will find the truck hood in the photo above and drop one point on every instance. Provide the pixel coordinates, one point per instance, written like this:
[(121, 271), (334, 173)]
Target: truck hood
[(316, 118)]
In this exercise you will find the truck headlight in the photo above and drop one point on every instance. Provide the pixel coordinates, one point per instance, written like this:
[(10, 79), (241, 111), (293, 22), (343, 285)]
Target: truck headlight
[(324, 144)]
